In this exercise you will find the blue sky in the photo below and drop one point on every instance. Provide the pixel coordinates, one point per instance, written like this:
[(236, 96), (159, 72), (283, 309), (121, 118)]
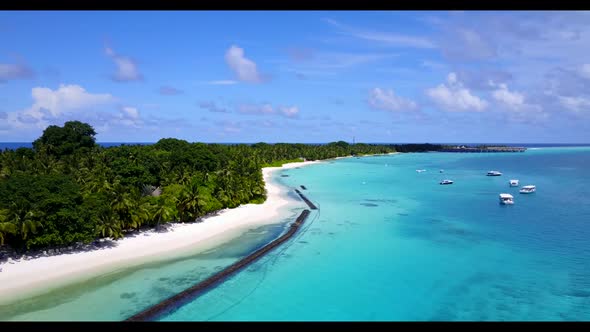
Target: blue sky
[(298, 76)]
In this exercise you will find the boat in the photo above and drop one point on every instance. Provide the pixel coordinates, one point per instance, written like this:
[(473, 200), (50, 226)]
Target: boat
[(494, 173), (420, 170), (506, 199), (441, 171), (446, 182), (528, 189), (514, 183)]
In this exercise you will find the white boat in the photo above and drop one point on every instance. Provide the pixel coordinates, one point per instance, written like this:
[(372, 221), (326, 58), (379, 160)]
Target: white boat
[(528, 189), (446, 182), (514, 183), (420, 170), (441, 171), (506, 199), (494, 173)]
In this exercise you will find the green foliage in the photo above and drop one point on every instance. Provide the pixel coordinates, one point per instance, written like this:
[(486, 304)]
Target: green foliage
[(47, 210), (280, 163), (69, 190), (60, 141)]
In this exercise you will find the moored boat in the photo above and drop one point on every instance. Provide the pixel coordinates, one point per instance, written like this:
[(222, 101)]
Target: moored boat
[(528, 189), (506, 199)]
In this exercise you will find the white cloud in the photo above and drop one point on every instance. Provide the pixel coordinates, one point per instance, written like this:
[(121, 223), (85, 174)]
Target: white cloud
[(256, 109), (72, 102), (222, 82), (129, 116), (131, 112), (290, 112), (452, 78), (387, 100), (126, 68), (67, 98), (245, 69), (268, 109), (345, 60), (394, 39), (331, 63), (511, 99), (68, 103), (516, 103), (575, 104), (386, 38), (454, 97)]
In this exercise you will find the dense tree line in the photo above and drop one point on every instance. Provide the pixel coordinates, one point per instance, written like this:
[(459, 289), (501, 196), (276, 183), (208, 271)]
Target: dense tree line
[(67, 189)]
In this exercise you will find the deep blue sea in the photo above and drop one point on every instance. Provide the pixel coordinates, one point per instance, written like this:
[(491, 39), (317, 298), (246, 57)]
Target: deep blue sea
[(387, 244)]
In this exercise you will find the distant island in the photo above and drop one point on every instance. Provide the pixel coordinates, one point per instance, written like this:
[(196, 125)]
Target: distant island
[(68, 191), (481, 148)]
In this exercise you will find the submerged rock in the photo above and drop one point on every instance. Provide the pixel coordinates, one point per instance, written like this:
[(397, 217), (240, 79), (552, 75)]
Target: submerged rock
[(369, 204)]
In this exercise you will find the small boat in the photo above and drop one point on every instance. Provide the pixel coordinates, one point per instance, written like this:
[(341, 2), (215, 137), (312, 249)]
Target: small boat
[(420, 170), (528, 189), (446, 182), (514, 183), (494, 173), (506, 199), (441, 171)]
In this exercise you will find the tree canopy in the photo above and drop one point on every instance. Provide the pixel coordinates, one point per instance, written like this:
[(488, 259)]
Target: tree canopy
[(66, 140), (69, 190)]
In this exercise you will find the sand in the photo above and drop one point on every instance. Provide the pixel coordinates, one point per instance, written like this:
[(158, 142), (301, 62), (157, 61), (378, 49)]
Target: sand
[(25, 278)]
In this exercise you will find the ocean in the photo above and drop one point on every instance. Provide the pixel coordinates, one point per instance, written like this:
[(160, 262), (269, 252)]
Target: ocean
[(387, 244)]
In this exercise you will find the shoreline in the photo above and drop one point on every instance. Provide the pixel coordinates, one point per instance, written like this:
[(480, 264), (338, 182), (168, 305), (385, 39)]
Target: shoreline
[(27, 278)]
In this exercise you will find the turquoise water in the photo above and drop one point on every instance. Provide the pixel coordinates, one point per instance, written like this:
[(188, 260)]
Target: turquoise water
[(122, 293), (386, 244), (392, 244)]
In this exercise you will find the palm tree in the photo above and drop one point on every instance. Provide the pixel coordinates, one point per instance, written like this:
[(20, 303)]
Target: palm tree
[(121, 202), (24, 219), (109, 226), (97, 183), (140, 213), (222, 196), (225, 177), (5, 227), (191, 201), (161, 212), (5, 171), (184, 177)]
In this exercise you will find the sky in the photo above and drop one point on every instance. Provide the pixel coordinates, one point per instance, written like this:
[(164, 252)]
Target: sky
[(298, 76)]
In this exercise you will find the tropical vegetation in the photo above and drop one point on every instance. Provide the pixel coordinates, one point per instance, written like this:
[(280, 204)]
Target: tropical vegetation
[(68, 190)]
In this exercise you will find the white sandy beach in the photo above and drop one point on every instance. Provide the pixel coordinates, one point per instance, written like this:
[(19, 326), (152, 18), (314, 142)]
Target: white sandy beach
[(25, 278)]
